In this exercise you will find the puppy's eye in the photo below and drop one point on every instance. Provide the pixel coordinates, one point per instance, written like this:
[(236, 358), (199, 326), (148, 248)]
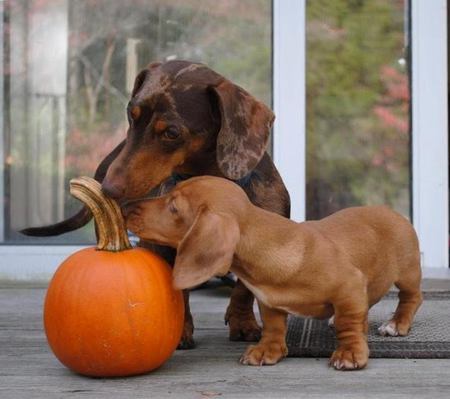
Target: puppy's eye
[(172, 207), (171, 134)]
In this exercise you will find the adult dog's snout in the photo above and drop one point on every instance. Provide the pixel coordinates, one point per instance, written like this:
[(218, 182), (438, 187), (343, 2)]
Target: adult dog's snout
[(112, 190)]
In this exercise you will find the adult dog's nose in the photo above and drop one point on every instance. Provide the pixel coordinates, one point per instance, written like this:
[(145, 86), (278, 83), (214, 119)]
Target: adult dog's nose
[(112, 190)]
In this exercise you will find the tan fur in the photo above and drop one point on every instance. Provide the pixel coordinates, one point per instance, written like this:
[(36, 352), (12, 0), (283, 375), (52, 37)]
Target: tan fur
[(340, 265)]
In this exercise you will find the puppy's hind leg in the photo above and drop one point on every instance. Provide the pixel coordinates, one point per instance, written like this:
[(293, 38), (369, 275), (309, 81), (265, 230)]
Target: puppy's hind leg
[(410, 298), (331, 322), (350, 321)]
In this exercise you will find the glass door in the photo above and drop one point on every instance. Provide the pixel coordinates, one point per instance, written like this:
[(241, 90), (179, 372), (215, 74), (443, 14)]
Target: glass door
[(358, 141), (68, 71), (361, 88)]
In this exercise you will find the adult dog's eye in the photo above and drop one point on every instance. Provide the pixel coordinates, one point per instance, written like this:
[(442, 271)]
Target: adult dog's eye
[(171, 134), (133, 113)]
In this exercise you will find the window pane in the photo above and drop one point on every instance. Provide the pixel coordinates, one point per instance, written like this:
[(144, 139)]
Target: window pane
[(358, 135), (69, 68)]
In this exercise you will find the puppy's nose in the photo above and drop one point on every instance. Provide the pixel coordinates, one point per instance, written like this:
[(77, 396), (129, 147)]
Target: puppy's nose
[(127, 209), (112, 190)]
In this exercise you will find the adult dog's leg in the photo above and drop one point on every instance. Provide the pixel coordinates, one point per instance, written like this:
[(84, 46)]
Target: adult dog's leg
[(187, 339), (240, 315)]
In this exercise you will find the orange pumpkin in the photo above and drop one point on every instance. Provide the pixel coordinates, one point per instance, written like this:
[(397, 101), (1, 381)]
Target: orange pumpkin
[(111, 311)]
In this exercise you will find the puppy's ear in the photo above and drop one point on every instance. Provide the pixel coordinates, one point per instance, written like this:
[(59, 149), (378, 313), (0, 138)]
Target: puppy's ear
[(206, 250), (244, 132)]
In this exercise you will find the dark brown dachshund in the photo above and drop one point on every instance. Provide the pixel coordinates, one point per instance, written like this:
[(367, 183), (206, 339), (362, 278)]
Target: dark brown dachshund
[(187, 120)]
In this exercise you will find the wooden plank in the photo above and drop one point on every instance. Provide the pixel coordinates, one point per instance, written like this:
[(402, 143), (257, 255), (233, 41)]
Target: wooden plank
[(29, 370)]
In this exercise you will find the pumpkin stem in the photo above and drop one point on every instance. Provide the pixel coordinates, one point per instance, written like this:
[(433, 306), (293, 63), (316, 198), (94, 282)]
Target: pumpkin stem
[(112, 234)]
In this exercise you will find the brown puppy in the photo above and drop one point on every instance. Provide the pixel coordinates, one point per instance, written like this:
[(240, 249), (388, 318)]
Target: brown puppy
[(340, 265)]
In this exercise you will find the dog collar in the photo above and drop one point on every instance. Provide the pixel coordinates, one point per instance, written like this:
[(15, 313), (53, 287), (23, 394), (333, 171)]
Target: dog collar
[(179, 177)]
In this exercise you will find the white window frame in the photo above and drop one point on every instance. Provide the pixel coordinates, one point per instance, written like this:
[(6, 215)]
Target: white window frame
[(430, 130), (289, 138), (429, 136), (429, 119)]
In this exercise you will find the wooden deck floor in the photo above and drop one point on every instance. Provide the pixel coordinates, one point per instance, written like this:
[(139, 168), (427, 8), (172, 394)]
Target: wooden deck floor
[(29, 370)]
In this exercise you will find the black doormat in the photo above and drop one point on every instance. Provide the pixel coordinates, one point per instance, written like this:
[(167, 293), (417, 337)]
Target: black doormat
[(429, 337)]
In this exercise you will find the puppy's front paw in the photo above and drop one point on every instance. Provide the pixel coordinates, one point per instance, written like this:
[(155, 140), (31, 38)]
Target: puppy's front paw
[(264, 354), (349, 359)]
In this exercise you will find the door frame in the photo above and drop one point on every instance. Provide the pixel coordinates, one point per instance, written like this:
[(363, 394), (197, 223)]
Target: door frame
[(289, 84), (430, 130)]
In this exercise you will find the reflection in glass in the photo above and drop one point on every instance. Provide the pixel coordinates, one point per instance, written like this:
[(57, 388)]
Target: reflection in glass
[(69, 68), (358, 136)]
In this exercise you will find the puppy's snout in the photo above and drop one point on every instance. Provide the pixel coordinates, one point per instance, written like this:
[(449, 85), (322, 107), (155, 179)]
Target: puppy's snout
[(133, 217), (130, 208)]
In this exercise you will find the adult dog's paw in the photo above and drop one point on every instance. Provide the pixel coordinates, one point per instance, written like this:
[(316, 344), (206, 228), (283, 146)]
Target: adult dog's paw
[(243, 325), (187, 338), (186, 343), (264, 354)]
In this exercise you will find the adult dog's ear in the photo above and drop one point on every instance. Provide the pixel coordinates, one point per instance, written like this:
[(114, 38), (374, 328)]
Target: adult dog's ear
[(244, 131), (206, 250), (142, 77), (139, 81)]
